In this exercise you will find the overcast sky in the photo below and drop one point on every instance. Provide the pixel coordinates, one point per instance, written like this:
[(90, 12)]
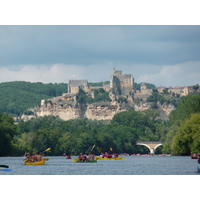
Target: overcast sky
[(162, 55)]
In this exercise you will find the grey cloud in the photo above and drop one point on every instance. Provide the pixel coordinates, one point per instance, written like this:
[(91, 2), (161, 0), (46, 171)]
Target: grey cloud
[(91, 44)]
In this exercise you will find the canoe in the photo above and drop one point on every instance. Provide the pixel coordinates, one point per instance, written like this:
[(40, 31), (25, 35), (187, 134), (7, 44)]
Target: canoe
[(100, 158), (36, 163), (94, 161)]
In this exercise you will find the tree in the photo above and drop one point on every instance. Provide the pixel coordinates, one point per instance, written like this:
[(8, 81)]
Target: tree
[(188, 105), (187, 138), (136, 120), (196, 87), (7, 133)]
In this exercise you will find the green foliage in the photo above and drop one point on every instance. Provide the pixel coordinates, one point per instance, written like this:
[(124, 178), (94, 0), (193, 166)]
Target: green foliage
[(79, 135), (163, 98), (18, 96), (139, 121), (188, 105), (99, 95), (187, 138), (196, 87), (7, 132), (178, 138)]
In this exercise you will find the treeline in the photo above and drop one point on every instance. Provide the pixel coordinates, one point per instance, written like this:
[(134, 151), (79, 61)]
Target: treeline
[(183, 127), (78, 135), (18, 96), (180, 135)]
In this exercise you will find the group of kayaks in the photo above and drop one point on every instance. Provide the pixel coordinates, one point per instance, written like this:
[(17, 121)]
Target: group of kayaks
[(42, 162), (94, 161)]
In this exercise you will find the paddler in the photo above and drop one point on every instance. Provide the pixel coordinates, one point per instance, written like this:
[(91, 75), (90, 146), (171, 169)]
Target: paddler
[(39, 156), (28, 157), (109, 155), (34, 157), (91, 157), (81, 157), (106, 154), (116, 155)]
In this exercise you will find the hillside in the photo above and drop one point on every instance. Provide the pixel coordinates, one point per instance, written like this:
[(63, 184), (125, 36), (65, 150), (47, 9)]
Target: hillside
[(18, 96)]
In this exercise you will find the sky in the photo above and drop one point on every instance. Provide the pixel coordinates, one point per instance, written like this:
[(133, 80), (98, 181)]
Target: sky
[(161, 55)]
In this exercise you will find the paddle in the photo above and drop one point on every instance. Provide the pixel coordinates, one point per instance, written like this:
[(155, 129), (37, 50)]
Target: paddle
[(93, 148), (5, 166), (47, 149), (45, 159), (6, 170)]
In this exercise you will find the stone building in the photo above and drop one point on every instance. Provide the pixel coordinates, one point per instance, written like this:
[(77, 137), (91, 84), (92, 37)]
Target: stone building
[(75, 85), (121, 85)]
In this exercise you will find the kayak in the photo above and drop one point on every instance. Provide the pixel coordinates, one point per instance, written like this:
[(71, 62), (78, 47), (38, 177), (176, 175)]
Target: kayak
[(100, 158), (94, 161), (36, 163)]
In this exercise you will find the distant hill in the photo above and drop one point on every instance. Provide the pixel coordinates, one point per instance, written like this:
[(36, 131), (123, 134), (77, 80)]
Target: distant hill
[(17, 96)]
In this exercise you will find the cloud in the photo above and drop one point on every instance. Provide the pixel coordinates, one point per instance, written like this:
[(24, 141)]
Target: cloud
[(174, 75), (42, 73), (166, 75)]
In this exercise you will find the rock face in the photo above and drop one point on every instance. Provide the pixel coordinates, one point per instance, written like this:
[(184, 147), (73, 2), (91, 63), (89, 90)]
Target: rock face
[(66, 108)]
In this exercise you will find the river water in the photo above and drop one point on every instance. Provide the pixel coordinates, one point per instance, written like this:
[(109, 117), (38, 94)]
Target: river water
[(129, 165)]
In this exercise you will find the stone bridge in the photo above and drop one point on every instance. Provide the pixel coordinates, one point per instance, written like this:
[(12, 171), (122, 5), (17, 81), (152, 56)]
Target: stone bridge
[(151, 145)]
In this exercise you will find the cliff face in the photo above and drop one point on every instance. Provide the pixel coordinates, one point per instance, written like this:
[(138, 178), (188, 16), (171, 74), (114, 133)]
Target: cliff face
[(92, 111), (66, 108)]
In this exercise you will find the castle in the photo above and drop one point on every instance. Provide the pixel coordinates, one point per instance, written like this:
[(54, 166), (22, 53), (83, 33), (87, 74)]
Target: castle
[(120, 85)]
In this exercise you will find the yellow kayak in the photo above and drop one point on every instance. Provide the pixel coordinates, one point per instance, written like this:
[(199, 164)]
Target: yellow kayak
[(100, 158), (36, 163)]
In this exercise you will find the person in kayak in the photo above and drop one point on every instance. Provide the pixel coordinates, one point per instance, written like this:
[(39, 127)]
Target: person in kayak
[(91, 157), (81, 157), (116, 155), (34, 157), (28, 158), (39, 156), (109, 155), (102, 155)]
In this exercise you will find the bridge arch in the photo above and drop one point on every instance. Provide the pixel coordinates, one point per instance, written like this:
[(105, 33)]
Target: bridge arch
[(151, 145)]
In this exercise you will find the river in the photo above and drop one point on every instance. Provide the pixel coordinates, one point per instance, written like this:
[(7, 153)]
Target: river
[(129, 165)]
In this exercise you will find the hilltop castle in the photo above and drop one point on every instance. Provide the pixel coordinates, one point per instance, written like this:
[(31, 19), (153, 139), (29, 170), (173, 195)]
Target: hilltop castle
[(120, 85), (121, 92)]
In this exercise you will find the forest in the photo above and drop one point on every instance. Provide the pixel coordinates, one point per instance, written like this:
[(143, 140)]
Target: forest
[(180, 134)]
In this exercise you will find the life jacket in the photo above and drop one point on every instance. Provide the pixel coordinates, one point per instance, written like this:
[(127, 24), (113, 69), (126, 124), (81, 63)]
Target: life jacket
[(81, 156), (109, 156)]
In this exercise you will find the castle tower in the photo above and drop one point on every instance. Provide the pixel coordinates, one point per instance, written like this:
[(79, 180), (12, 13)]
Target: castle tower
[(143, 86), (121, 85)]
